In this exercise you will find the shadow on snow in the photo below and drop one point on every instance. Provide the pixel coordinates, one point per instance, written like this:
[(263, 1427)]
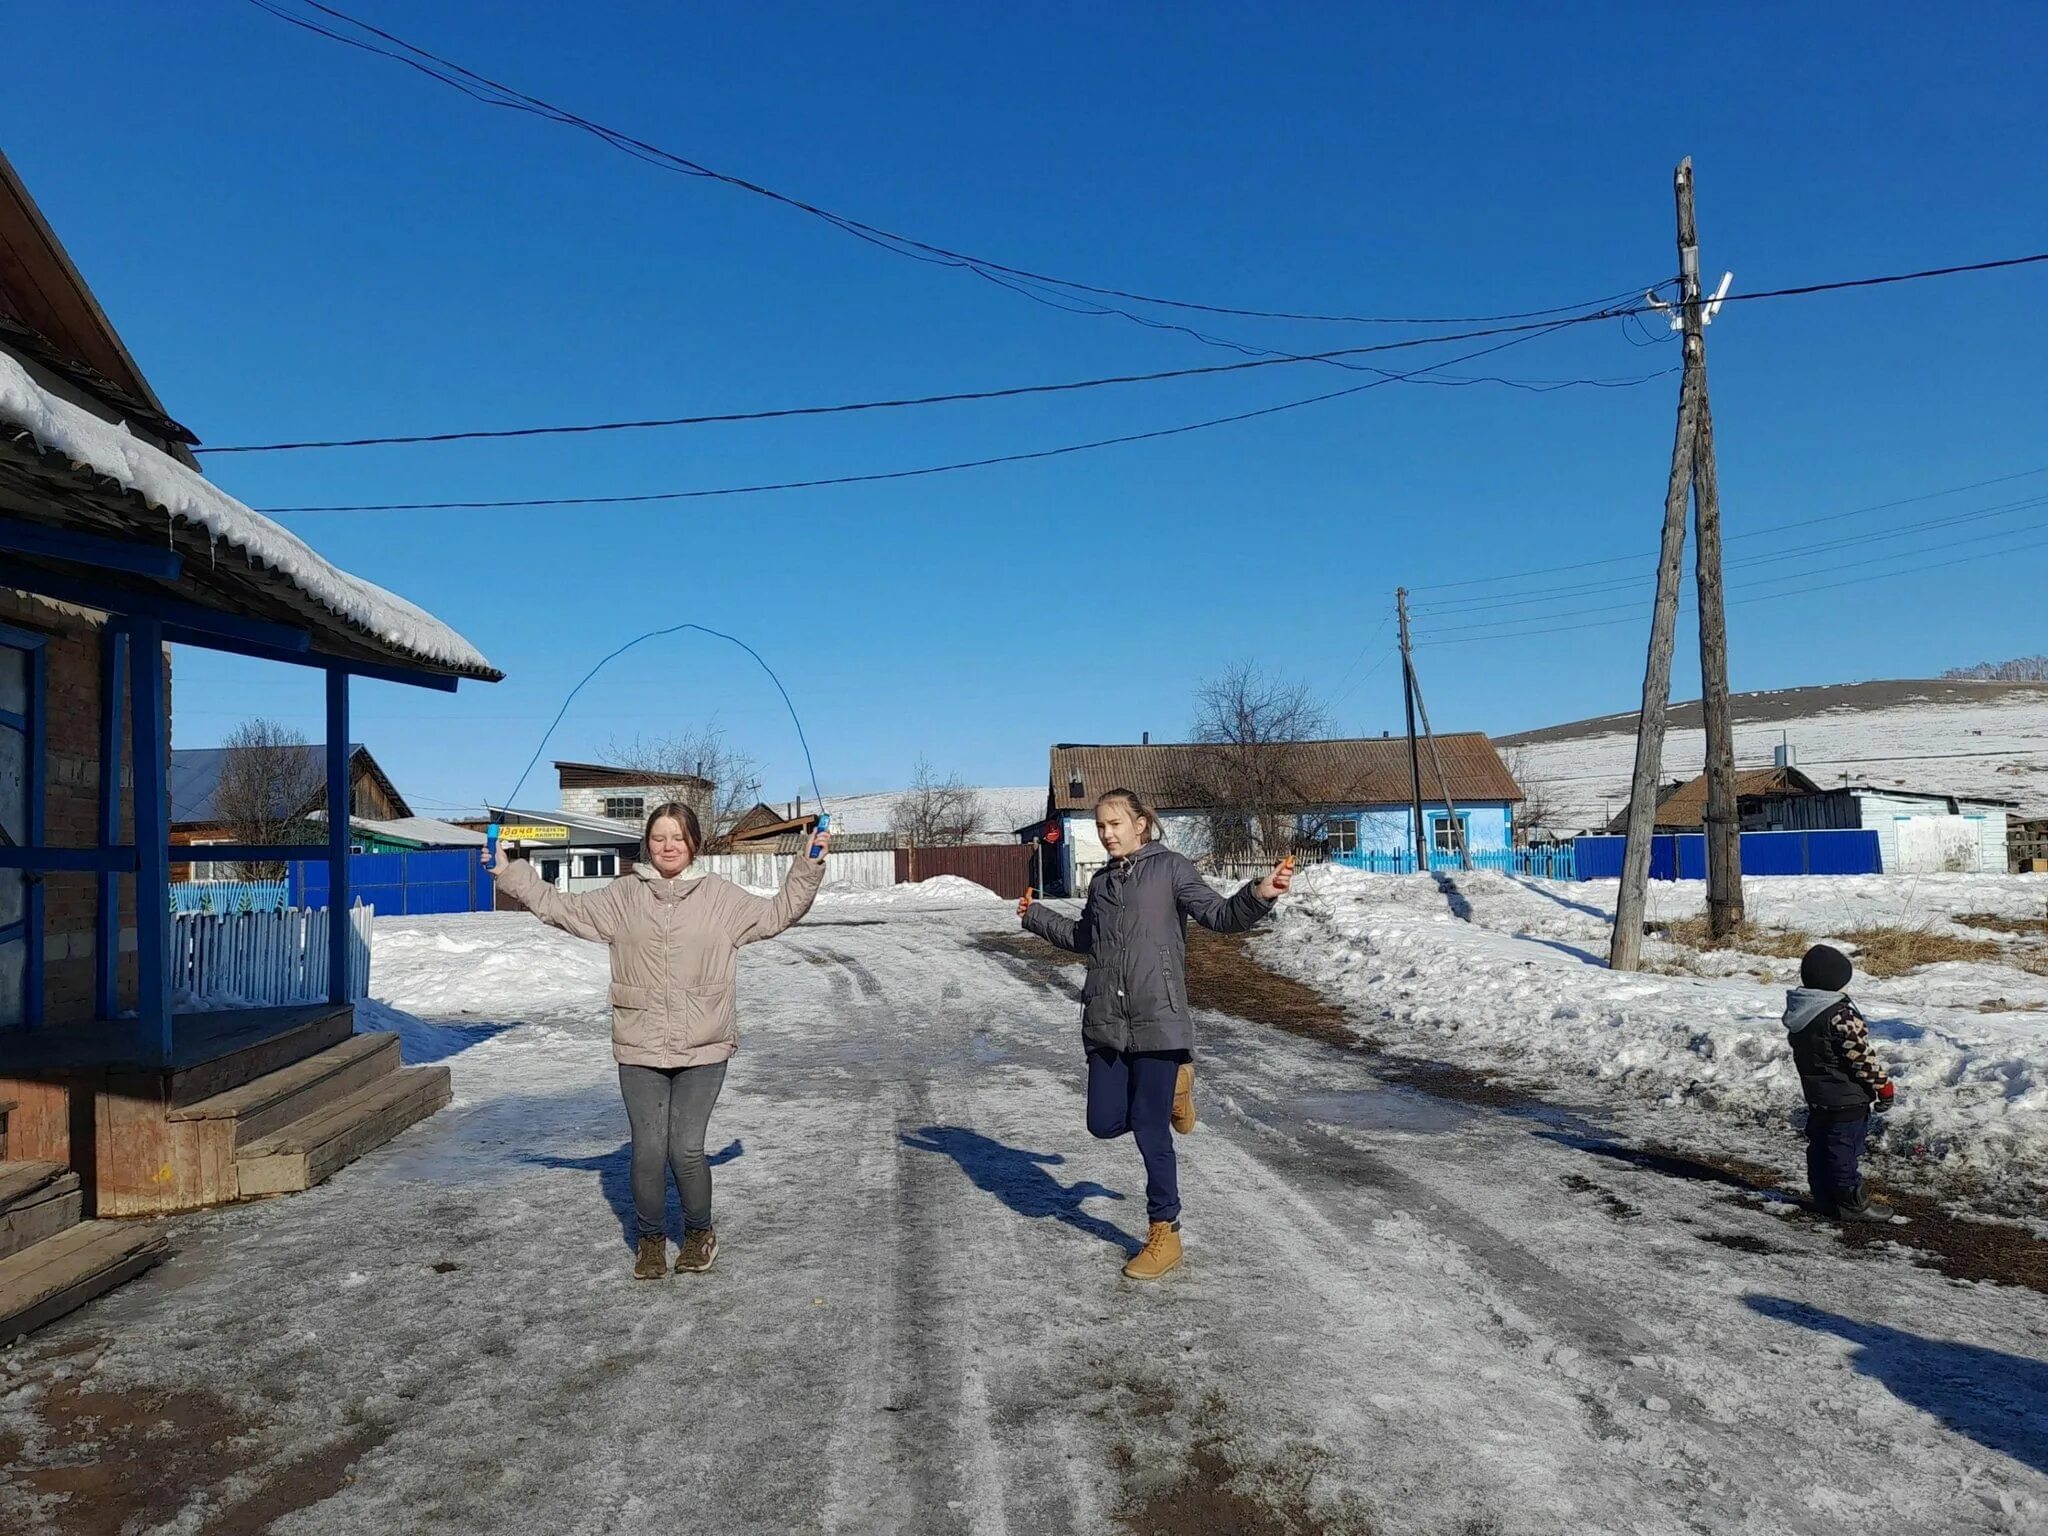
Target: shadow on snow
[(614, 1172), (1019, 1179)]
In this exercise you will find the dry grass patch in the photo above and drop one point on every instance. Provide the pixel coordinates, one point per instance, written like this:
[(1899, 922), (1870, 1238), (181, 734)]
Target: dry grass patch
[(1886, 952), (2019, 927), (1749, 939)]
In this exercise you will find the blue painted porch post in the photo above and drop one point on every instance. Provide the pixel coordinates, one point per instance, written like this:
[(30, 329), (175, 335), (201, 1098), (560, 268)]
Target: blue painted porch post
[(339, 929), (149, 730), (106, 986)]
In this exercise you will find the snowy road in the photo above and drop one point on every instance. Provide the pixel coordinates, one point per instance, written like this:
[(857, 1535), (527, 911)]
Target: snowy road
[(1398, 1314)]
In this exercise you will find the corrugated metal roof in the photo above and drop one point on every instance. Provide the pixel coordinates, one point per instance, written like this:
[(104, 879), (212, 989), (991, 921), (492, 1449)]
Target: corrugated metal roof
[(195, 780), (1365, 771)]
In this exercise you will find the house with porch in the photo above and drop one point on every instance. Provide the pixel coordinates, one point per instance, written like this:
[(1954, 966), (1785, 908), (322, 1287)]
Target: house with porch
[(113, 549), (1351, 801), (628, 794)]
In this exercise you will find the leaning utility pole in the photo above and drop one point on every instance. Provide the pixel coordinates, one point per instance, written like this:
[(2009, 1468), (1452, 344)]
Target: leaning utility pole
[(1722, 817), (1626, 952), (1414, 762)]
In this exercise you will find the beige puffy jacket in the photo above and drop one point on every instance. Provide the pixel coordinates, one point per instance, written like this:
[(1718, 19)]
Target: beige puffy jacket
[(675, 951)]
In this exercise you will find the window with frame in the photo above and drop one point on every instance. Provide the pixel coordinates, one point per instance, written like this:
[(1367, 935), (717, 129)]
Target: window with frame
[(1447, 834), (599, 866), (625, 807), (21, 771), (551, 871), (1340, 835)]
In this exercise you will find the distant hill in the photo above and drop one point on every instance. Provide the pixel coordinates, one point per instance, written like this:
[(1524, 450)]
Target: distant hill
[(1985, 739)]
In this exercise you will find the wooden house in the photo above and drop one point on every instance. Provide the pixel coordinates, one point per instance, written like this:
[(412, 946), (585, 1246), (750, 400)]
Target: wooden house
[(113, 548), (198, 820)]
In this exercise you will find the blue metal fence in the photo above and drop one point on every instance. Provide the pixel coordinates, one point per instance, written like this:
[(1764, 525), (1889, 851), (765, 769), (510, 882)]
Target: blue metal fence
[(1683, 856), (414, 884), (1555, 861), (223, 896)]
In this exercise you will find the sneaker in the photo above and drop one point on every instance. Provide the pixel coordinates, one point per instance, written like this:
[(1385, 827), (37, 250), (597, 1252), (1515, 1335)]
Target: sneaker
[(1184, 1098), (1859, 1208), (650, 1261), (1160, 1254), (700, 1247)]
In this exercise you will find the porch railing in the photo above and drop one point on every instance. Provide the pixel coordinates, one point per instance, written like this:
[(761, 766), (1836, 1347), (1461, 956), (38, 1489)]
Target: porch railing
[(263, 959)]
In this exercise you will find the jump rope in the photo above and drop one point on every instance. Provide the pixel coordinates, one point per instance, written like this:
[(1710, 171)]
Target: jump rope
[(493, 832)]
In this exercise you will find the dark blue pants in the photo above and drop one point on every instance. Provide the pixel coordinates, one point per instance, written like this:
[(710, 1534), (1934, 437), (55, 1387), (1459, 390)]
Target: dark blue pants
[(1133, 1091), (1834, 1148)]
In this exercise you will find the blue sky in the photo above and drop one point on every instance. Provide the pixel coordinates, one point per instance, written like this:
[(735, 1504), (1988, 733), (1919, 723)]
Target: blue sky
[(301, 240)]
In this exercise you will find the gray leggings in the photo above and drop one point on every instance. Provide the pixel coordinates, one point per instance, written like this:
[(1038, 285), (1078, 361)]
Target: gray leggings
[(669, 1112)]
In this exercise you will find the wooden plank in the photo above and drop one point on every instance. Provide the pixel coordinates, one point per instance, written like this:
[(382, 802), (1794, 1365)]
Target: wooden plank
[(21, 1180), (105, 1255), (254, 1097), (41, 1125), (150, 1166), (57, 1209), (321, 1030), (311, 1151)]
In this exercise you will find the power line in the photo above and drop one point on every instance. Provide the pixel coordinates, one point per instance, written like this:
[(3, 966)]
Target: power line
[(1460, 607), (1754, 533), (1007, 392), (894, 474), (1765, 598), (482, 88), (1804, 762), (1068, 386)]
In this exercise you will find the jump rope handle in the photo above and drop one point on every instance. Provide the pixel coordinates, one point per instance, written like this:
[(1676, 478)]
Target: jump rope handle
[(491, 843), (824, 826)]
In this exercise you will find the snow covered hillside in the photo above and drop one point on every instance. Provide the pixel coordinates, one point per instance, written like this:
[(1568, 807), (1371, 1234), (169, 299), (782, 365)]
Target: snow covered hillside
[(1004, 809), (1968, 738), (1501, 974)]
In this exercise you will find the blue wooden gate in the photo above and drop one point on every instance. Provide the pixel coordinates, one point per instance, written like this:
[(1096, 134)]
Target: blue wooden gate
[(421, 883), (1683, 856)]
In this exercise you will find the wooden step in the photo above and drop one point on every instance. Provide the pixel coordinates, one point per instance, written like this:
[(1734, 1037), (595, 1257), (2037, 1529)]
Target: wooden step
[(252, 1044), (37, 1201), (310, 1150), (62, 1273), (293, 1093)]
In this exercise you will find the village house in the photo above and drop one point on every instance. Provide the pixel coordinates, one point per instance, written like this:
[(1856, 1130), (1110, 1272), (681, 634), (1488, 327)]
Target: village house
[(1351, 801), (198, 819), (628, 794), (113, 548)]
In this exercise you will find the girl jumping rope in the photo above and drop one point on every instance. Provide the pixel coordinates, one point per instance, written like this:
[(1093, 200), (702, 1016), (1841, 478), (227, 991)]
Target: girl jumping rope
[(1135, 1021), (675, 933)]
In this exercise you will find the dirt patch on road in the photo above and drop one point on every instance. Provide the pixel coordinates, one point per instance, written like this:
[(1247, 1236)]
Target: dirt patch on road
[(143, 1456)]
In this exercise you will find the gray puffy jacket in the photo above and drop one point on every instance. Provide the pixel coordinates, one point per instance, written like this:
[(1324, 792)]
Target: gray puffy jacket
[(1133, 929)]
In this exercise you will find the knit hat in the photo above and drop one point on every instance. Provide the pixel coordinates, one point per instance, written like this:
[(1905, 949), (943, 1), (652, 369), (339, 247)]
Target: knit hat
[(1825, 969)]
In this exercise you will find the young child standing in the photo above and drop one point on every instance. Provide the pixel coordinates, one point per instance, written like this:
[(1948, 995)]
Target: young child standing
[(1843, 1082)]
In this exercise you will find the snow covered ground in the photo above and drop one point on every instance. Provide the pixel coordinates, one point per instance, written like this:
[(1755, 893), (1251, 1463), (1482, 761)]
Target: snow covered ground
[(1399, 1314), (1505, 974), (1984, 739)]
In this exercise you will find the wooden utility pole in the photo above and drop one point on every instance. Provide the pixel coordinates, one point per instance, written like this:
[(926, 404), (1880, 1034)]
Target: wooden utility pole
[(1633, 898), (1723, 814), (1414, 761)]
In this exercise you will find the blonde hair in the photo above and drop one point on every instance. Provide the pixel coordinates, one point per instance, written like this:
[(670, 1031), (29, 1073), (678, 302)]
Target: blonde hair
[(1131, 801), (683, 816)]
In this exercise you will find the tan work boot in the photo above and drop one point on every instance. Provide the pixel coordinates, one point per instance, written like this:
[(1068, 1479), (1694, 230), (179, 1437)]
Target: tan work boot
[(650, 1262), (700, 1247), (1160, 1254), (1184, 1098)]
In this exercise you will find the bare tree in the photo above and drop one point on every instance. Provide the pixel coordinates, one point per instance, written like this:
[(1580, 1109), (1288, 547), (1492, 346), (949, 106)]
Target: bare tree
[(1245, 723), (936, 814), (701, 752), (2021, 669), (270, 782), (1542, 808)]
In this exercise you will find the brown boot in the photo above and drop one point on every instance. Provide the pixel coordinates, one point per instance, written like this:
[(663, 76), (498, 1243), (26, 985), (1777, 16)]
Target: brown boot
[(651, 1261), (1160, 1254), (1184, 1098), (700, 1247)]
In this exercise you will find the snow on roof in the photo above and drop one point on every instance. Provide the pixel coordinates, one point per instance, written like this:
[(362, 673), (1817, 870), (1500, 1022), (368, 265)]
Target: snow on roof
[(110, 449)]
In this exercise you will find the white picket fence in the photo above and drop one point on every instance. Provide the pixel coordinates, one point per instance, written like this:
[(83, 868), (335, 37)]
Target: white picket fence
[(262, 959), (870, 871)]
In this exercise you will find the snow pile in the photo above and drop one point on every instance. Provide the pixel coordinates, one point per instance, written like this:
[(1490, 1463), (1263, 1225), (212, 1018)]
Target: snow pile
[(496, 965), (1496, 973), (110, 449), (939, 892)]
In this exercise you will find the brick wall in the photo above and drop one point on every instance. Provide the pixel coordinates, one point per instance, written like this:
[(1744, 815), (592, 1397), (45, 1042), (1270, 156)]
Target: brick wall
[(591, 802), (71, 786)]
